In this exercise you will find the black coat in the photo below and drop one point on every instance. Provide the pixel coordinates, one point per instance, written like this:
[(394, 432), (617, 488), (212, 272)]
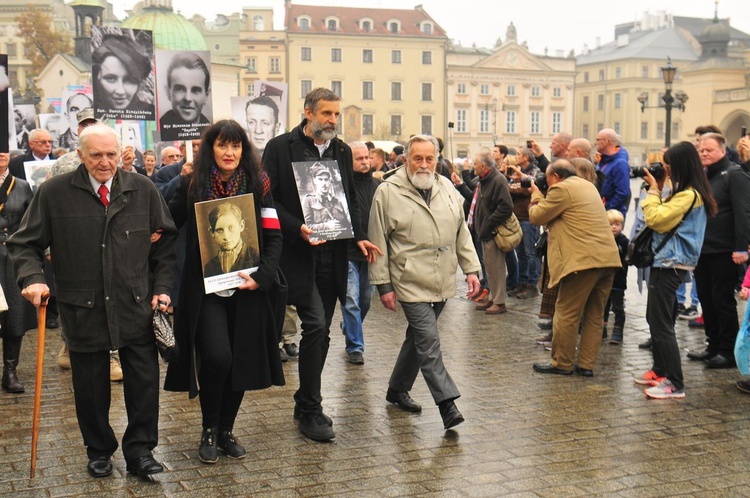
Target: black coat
[(255, 360), (16, 164), (297, 257), (729, 230), (21, 315), (364, 187), (106, 266)]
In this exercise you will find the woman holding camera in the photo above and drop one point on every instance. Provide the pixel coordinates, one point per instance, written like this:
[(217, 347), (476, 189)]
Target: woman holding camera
[(681, 218)]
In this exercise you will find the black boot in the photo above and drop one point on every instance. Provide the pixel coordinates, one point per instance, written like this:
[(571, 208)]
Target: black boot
[(11, 351)]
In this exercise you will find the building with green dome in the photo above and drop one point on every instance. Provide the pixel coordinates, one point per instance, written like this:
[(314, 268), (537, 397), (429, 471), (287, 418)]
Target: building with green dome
[(171, 30)]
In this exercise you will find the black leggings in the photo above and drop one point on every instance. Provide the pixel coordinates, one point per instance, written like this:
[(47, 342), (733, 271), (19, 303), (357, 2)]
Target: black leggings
[(214, 342)]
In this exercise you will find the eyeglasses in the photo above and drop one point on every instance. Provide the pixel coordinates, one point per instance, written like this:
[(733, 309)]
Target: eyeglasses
[(43, 142)]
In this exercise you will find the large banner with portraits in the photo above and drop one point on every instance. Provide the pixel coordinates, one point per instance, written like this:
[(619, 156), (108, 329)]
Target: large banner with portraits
[(228, 241), (264, 114), (122, 73), (321, 193), (184, 94)]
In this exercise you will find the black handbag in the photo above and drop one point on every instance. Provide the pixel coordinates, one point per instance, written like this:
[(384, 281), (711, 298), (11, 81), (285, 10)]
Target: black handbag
[(640, 250), (164, 336), (541, 245)]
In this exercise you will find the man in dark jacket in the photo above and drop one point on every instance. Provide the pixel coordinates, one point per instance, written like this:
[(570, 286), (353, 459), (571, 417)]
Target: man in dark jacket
[(724, 247), (317, 270), (358, 289), (614, 165), (492, 206), (40, 148), (113, 255)]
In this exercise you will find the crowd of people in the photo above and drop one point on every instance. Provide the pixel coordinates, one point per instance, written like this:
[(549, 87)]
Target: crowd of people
[(128, 244)]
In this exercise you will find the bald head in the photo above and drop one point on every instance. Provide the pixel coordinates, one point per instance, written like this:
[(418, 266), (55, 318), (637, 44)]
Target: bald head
[(579, 147), (607, 141), (170, 155), (560, 143)]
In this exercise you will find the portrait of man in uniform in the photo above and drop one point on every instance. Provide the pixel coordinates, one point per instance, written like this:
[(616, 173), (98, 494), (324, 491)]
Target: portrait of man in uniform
[(323, 205)]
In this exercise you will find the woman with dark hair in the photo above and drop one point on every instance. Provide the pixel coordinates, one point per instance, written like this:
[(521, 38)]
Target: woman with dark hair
[(118, 68), (684, 213), (227, 340)]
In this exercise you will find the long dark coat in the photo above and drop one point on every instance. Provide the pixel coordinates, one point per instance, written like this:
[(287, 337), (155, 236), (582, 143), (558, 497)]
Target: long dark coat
[(255, 359), (106, 265), (297, 260), (20, 316)]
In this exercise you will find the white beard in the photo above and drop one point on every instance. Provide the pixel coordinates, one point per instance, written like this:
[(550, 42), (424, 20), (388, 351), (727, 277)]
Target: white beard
[(421, 181)]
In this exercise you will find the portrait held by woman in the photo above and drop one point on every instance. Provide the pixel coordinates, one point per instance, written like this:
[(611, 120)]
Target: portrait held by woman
[(228, 341), (15, 197), (680, 220), (122, 75)]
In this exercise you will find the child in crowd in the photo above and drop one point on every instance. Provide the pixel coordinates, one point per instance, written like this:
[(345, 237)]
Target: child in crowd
[(616, 299)]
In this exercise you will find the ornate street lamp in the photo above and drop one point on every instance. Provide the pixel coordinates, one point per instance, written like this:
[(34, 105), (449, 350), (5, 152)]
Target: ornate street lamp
[(668, 72)]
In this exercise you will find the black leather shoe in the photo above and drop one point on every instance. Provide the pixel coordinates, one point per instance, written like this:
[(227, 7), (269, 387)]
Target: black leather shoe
[(230, 446), (316, 426), (584, 372), (402, 400), (291, 350), (100, 467), (720, 361), (547, 368), (207, 450), (52, 323), (451, 416), (144, 466), (645, 344), (702, 356)]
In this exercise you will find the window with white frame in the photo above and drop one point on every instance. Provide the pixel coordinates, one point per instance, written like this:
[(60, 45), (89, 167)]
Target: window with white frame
[(367, 90), (426, 92), (367, 56), (556, 122), (305, 53), (395, 57), (251, 64), (427, 28), (617, 127), (535, 119), (484, 89), (484, 121), (335, 55), (460, 120), (393, 27), (557, 92), (305, 87), (461, 88), (535, 92), (510, 121), (395, 90), (585, 131), (250, 89), (274, 65), (336, 87), (644, 130), (258, 23), (427, 125), (366, 26), (510, 90), (617, 100), (426, 57), (332, 25), (395, 125), (367, 124), (303, 23)]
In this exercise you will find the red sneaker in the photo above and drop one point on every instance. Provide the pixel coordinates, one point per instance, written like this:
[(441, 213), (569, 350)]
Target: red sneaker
[(696, 323)]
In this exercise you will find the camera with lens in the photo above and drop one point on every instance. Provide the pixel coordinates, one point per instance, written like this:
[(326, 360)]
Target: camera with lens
[(656, 170), (540, 180)]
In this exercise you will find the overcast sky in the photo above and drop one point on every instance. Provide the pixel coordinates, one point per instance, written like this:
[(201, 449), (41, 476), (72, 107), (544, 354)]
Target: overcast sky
[(542, 23)]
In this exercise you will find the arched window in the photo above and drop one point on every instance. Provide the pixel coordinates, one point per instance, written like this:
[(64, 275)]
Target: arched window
[(427, 28), (303, 23), (258, 23), (393, 27), (332, 25), (366, 26)]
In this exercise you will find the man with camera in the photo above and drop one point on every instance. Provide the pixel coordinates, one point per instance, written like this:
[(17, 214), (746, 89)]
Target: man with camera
[(614, 165), (583, 259), (528, 262)]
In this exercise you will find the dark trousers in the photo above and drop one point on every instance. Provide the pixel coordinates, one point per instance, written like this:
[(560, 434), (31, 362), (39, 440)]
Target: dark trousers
[(715, 278), (92, 392), (616, 303), (316, 313), (420, 351), (661, 311), (214, 340)]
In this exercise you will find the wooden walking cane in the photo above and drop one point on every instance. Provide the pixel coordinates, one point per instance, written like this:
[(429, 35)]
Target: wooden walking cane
[(41, 327)]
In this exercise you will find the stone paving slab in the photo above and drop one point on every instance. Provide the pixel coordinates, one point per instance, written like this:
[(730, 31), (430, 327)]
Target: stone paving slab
[(526, 434)]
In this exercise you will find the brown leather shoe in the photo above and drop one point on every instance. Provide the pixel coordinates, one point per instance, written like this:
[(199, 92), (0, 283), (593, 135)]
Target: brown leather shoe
[(496, 309), (483, 306)]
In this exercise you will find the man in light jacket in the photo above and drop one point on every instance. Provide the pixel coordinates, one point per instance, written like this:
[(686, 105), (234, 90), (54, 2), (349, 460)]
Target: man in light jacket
[(417, 217)]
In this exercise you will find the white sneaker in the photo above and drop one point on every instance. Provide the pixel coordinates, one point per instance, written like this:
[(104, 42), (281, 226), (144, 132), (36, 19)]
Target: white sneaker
[(665, 390), (115, 370)]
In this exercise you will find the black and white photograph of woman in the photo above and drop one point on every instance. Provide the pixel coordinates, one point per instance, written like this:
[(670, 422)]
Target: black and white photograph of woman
[(122, 73)]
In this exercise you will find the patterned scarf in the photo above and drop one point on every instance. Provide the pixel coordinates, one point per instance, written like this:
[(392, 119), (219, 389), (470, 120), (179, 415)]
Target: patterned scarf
[(218, 189)]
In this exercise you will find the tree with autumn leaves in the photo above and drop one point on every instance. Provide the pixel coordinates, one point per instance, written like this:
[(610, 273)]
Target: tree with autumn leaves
[(41, 41)]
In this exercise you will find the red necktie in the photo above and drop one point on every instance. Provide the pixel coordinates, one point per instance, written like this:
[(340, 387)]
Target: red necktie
[(103, 191)]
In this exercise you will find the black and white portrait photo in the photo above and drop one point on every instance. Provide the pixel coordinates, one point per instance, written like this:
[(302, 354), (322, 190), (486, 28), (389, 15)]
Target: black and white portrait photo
[(184, 95), (5, 130), (263, 114), (228, 241), (24, 116), (121, 73), (72, 104), (323, 200)]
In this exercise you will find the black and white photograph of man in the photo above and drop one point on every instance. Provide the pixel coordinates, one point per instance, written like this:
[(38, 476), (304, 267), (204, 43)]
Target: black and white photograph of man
[(323, 201), (184, 98), (4, 103), (72, 104)]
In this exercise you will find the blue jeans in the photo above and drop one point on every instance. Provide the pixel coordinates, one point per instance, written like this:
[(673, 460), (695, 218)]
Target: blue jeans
[(528, 263), (354, 310), (511, 264), (693, 292)]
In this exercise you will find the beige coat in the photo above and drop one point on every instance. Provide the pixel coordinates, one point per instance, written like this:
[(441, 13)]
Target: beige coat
[(580, 237), (423, 245)]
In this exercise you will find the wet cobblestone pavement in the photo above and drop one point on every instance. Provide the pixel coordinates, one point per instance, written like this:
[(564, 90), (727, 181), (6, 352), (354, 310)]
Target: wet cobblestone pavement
[(525, 434)]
